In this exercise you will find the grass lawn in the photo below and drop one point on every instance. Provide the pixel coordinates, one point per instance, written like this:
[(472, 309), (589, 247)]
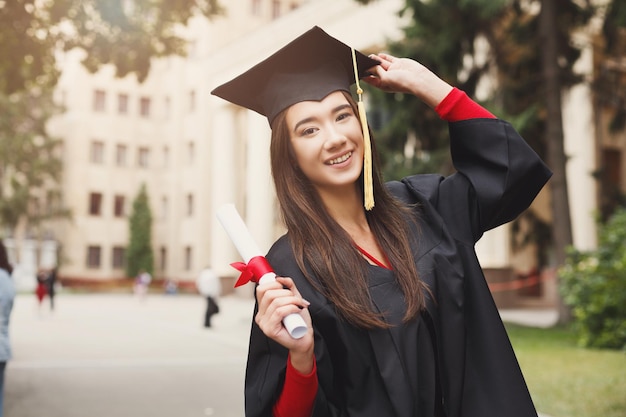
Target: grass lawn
[(566, 380)]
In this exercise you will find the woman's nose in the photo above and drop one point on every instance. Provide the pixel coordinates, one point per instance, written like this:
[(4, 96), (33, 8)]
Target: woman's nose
[(334, 138)]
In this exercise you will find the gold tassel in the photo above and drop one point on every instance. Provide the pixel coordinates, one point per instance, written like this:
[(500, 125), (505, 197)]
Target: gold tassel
[(368, 186)]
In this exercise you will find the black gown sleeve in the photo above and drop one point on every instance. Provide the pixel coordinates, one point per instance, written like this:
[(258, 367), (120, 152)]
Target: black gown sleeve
[(498, 176)]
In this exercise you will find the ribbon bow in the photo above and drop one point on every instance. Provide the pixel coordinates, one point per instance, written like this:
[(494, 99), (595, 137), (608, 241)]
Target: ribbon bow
[(252, 271)]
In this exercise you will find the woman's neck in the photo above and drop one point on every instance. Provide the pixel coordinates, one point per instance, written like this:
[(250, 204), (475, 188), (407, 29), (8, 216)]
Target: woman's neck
[(346, 207), (347, 210)]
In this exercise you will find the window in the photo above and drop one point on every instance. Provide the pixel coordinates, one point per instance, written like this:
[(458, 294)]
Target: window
[(167, 107), (143, 157), (122, 103), (166, 156), (163, 258), (99, 101), (164, 208), (256, 7), (192, 101), (144, 107), (611, 184), (188, 260), (191, 150), (275, 9), (120, 155), (118, 206), (118, 257), (93, 257), (95, 203), (189, 205), (96, 153)]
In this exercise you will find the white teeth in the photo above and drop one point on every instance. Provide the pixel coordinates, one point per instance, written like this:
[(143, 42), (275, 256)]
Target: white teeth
[(340, 159)]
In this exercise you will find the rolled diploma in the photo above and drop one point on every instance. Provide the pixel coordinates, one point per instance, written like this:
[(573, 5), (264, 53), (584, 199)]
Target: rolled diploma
[(248, 249)]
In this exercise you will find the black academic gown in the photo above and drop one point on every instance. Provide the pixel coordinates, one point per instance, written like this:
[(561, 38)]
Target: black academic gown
[(457, 353)]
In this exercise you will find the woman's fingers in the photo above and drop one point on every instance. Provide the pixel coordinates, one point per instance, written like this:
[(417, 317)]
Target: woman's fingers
[(276, 300)]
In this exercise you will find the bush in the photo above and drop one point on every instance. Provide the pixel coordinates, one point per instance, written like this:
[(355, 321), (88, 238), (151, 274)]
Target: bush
[(593, 284)]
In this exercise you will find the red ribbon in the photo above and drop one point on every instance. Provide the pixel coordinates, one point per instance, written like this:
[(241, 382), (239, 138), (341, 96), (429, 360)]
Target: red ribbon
[(253, 271)]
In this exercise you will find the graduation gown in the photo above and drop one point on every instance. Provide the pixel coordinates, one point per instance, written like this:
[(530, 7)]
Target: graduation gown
[(455, 358)]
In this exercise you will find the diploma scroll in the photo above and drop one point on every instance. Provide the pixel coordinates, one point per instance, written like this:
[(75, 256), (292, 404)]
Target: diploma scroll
[(248, 249)]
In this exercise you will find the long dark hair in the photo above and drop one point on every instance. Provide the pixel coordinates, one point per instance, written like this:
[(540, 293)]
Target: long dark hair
[(318, 242), (4, 259)]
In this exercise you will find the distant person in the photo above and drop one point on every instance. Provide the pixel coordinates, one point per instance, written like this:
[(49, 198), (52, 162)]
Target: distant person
[(208, 285), (142, 282), (7, 295), (50, 284), (42, 288), (170, 287)]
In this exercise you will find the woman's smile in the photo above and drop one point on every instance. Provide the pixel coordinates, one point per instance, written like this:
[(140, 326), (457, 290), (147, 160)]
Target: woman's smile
[(340, 159)]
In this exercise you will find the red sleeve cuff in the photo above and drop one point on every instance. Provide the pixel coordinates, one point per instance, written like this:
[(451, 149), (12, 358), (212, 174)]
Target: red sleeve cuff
[(458, 106), (298, 395)]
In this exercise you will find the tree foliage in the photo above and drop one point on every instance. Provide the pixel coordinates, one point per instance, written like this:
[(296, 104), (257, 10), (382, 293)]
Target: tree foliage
[(466, 42), (30, 166), (139, 255), (610, 79), (593, 285), (125, 33)]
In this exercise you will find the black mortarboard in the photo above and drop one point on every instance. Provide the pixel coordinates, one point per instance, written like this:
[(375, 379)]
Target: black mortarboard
[(308, 68)]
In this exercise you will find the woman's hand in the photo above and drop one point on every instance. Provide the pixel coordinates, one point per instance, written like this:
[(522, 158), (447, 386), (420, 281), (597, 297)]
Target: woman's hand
[(276, 300), (404, 75)]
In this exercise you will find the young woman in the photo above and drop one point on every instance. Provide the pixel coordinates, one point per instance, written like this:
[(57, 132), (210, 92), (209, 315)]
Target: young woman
[(401, 321)]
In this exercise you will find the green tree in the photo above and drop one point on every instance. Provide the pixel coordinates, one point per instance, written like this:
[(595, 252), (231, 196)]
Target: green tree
[(139, 255), (30, 165), (125, 33)]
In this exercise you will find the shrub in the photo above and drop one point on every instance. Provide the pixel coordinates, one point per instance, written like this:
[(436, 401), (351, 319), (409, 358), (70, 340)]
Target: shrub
[(593, 284)]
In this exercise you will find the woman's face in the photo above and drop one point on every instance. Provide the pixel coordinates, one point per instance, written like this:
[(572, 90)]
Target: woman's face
[(327, 141)]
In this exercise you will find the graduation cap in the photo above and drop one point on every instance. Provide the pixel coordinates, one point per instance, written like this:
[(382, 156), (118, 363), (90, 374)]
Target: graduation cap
[(308, 68)]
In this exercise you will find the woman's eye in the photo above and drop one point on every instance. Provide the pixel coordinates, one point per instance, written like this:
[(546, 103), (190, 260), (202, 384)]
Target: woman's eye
[(308, 131), (343, 116)]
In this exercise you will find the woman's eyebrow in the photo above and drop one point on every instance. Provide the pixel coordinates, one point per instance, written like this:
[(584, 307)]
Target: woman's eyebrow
[(303, 121), (341, 107)]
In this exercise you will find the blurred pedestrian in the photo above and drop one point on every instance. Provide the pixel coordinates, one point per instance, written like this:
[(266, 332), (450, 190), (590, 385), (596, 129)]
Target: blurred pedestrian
[(42, 288), (142, 282), (7, 295), (208, 285), (51, 280), (170, 287)]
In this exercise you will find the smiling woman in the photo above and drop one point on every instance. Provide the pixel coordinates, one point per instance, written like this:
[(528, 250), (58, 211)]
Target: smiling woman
[(400, 319)]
